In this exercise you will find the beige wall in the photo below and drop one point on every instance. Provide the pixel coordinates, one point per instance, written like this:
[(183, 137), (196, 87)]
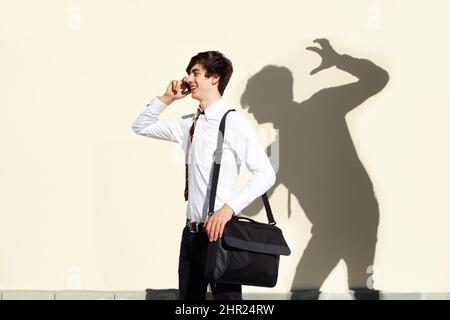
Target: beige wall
[(87, 204)]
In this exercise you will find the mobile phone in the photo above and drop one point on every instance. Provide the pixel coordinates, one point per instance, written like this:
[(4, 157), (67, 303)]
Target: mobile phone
[(185, 88)]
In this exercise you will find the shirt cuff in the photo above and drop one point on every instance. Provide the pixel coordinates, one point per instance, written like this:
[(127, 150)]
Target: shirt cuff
[(237, 203), (157, 105)]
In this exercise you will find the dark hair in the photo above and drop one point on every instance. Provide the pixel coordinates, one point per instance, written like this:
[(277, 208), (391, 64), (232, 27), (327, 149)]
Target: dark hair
[(215, 63)]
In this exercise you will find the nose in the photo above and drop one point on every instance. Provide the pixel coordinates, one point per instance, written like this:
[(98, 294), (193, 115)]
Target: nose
[(190, 78)]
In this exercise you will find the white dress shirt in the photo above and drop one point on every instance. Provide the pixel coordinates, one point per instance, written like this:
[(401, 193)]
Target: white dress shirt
[(241, 144)]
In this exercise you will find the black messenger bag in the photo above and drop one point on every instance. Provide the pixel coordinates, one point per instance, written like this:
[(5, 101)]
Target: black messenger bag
[(249, 251)]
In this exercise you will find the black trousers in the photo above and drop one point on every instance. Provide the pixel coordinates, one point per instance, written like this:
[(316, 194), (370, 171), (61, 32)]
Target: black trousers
[(192, 284)]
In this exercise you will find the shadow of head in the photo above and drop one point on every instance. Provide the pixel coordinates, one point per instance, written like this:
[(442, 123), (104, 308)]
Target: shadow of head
[(268, 92)]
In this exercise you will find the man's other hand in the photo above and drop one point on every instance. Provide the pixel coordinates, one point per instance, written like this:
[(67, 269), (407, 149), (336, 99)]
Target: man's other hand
[(215, 223)]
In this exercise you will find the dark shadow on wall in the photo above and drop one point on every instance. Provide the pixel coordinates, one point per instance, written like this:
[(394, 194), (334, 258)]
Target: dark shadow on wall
[(318, 164)]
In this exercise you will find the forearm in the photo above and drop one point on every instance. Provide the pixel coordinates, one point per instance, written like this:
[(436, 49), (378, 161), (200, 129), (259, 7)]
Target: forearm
[(148, 123), (361, 68), (148, 117), (167, 100), (260, 181)]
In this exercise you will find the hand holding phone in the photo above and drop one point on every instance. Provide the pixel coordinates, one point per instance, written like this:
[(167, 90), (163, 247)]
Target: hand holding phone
[(185, 85), (176, 89)]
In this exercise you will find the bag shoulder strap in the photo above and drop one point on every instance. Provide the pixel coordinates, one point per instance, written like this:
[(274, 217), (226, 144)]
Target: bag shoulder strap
[(216, 170)]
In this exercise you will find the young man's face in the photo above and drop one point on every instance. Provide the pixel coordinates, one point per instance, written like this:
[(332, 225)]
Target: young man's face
[(200, 85)]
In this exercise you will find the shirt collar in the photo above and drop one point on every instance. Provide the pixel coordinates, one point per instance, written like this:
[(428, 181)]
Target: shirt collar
[(216, 110)]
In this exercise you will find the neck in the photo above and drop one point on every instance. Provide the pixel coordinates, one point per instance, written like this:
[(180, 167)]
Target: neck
[(206, 102)]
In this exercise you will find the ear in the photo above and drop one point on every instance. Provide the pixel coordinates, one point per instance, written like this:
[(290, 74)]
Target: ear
[(215, 79)]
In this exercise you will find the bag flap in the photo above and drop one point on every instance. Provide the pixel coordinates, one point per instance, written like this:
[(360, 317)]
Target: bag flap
[(255, 237)]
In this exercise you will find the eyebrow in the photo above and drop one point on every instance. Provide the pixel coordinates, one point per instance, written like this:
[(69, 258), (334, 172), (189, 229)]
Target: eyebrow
[(193, 70)]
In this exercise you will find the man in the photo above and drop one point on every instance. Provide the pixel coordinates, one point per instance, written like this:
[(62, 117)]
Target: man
[(208, 75)]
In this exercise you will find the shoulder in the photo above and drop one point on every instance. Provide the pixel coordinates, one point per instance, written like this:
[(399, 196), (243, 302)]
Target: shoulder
[(238, 124), (236, 119), (186, 120), (187, 117)]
